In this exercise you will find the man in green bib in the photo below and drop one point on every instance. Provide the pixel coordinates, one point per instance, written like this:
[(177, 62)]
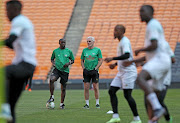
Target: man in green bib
[(61, 59), (91, 60)]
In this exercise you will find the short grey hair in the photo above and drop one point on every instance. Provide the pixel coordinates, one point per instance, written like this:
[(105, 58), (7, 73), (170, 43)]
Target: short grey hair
[(91, 38)]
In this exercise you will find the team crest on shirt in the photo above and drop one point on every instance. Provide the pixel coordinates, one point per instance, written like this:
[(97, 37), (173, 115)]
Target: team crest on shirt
[(65, 55), (58, 55), (93, 53), (86, 54)]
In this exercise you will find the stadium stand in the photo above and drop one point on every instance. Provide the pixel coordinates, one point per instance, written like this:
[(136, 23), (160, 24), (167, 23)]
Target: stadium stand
[(50, 20), (105, 14)]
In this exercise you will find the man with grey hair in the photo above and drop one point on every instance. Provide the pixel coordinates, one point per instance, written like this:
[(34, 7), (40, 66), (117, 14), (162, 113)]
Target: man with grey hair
[(91, 60)]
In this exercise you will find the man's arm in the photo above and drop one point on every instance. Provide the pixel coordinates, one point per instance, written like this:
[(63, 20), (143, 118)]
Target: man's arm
[(82, 63), (69, 63), (112, 66), (9, 41), (53, 62), (100, 61), (151, 47), (122, 57), (136, 61)]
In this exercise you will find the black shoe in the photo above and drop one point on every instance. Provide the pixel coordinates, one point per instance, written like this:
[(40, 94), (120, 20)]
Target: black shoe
[(62, 106), (97, 106), (158, 113), (50, 99), (86, 107)]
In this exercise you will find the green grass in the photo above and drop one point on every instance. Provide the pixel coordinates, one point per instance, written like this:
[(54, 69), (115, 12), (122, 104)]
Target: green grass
[(31, 107)]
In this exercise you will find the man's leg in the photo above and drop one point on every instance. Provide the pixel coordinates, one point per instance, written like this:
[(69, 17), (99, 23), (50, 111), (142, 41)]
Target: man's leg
[(132, 103), (16, 75), (51, 88), (148, 108), (63, 95), (15, 90), (54, 76), (114, 103), (161, 97), (113, 98), (86, 93), (51, 84), (30, 81), (150, 95), (96, 93)]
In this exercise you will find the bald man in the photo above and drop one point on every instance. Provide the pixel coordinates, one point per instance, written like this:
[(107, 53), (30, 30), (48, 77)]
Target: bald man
[(125, 77), (157, 65)]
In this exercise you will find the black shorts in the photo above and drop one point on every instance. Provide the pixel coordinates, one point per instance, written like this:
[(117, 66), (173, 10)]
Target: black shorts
[(90, 75), (64, 76)]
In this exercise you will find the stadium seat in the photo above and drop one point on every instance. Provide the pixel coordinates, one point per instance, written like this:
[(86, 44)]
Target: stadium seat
[(107, 13)]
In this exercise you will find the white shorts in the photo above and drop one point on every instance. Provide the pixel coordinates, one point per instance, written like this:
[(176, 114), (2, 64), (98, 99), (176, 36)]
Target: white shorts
[(125, 80), (158, 68), (166, 81)]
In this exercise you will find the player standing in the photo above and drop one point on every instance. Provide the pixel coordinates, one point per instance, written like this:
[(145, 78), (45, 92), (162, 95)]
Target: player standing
[(61, 58), (91, 60), (125, 77)]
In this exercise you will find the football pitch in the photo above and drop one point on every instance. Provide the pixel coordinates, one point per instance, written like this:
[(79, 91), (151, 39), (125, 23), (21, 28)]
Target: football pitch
[(31, 107)]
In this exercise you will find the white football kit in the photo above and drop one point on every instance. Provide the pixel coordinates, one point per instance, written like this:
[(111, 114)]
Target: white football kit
[(24, 46), (167, 79), (158, 61), (126, 76)]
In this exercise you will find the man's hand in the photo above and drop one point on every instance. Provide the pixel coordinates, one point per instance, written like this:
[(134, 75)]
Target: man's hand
[(127, 63), (53, 63), (66, 65), (107, 60), (137, 52), (112, 66)]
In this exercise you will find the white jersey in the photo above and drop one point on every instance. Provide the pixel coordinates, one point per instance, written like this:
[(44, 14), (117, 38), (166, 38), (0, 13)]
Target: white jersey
[(24, 46), (126, 76), (124, 46), (154, 30)]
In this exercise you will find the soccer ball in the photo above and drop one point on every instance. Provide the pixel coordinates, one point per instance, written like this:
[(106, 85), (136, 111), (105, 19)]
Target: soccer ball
[(50, 105)]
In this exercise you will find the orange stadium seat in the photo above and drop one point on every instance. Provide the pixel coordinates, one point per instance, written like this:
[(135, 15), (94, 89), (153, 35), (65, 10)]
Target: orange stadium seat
[(50, 19), (107, 13)]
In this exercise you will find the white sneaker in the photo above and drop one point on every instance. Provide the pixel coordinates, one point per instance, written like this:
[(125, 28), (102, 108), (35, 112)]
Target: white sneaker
[(110, 112), (6, 112)]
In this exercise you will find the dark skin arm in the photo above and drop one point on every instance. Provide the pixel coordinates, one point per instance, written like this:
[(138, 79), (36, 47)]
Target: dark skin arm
[(69, 63), (151, 47), (112, 66), (53, 62), (136, 61), (9, 41), (122, 57)]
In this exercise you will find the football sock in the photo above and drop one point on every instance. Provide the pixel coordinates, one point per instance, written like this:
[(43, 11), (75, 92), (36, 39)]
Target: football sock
[(97, 101), (87, 102), (52, 96), (137, 118), (152, 98), (115, 115), (61, 104)]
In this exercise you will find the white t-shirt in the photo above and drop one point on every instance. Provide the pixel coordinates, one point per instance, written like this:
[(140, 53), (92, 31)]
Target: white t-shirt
[(24, 46), (124, 46), (154, 30)]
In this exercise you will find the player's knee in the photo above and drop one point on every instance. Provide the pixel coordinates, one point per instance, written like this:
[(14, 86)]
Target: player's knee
[(52, 79)]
